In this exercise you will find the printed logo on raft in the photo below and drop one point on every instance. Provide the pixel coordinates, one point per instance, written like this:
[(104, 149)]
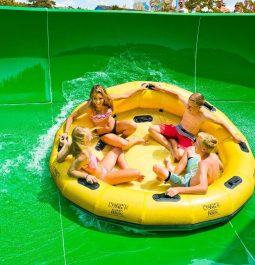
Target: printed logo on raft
[(117, 209), (211, 208)]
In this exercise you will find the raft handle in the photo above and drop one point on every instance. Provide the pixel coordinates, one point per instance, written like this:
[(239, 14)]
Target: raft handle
[(244, 147), (233, 182), (149, 85), (83, 182), (100, 145), (143, 118), (162, 197), (209, 107)]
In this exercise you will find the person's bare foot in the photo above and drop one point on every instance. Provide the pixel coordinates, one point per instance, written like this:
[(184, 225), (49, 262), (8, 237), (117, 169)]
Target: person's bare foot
[(140, 178), (159, 178), (142, 141)]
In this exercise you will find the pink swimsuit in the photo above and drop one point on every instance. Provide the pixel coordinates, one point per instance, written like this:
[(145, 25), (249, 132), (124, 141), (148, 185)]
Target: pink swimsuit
[(99, 117), (93, 165), (93, 162)]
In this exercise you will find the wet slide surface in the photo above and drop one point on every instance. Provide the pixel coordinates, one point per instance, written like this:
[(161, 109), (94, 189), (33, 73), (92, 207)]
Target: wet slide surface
[(53, 70)]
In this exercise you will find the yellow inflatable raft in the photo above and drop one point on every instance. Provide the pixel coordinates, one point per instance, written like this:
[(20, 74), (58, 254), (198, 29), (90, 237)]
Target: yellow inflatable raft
[(144, 205)]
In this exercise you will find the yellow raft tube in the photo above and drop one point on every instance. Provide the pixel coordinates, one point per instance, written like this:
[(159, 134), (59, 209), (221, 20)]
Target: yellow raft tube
[(144, 205)]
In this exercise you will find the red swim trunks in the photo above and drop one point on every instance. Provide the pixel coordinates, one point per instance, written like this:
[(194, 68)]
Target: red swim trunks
[(172, 131)]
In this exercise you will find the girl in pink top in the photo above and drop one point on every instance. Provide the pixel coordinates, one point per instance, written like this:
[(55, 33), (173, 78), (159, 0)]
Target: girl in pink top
[(86, 165), (100, 108)]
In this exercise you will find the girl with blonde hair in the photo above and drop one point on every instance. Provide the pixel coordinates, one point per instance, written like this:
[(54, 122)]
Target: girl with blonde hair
[(86, 165)]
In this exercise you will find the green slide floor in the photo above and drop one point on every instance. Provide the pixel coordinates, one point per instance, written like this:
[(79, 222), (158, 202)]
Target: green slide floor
[(39, 226)]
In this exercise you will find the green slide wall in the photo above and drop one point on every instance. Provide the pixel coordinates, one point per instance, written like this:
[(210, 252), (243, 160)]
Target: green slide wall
[(41, 48), (50, 57)]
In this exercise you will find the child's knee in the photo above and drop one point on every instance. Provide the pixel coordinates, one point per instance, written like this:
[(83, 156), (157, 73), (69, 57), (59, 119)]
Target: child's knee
[(180, 153), (153, 129), (117, 150), (157, 168)]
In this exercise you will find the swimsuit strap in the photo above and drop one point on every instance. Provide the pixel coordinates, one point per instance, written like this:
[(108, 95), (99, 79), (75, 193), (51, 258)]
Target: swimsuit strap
[(102, 116)]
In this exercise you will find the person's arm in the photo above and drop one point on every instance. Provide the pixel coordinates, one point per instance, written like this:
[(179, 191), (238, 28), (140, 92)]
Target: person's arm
[(221, 166), (182, 163), (64, 152), (236, 138), (74, 116), (74, 169), (170, 92), (200, 188), (129, 93)]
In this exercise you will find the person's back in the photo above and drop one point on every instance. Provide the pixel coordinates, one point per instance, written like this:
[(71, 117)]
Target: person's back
[(214, 167), (210, 165)]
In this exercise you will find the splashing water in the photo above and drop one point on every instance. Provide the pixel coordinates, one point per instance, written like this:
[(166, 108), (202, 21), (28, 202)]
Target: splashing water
[(40, 151), (120, 69)]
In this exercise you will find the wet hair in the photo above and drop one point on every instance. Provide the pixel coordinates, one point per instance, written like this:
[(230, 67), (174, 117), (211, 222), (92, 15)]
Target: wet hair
[(100, 89), (198, 99), (209, 142), (79, 140)]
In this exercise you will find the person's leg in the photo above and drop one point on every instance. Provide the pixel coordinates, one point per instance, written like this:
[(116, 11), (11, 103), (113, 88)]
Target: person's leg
[(110, 159), (122, 176), (117, 141), (177, 151), (184, 142), (179, 180), (180, 153), (121, 161), (125, 128), (156, 134), (161, 172), (168, 165)]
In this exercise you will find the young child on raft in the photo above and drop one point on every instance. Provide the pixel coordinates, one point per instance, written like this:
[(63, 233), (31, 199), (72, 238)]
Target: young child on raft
[(202, 166), (86, 165)]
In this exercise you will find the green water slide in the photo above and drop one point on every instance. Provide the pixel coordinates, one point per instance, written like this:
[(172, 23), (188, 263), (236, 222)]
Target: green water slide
[(49, 60)]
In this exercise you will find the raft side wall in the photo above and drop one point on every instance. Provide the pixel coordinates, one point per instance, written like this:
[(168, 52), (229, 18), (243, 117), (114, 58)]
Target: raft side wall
[(42, 48)]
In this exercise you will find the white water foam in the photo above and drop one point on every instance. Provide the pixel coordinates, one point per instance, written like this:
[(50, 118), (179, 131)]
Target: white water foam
[(11, 164), (206, 262), (40, 151)]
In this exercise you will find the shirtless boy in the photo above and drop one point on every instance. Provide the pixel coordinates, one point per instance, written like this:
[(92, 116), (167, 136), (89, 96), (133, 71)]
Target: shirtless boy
[(203, 168), (176, 138)]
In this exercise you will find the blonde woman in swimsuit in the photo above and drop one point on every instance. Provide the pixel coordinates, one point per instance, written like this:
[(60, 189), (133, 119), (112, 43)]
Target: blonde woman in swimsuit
[(87, 166), (100, 109)]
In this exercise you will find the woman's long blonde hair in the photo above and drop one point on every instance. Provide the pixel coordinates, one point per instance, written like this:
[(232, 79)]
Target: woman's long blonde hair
[(80, 140), (100, 89)]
